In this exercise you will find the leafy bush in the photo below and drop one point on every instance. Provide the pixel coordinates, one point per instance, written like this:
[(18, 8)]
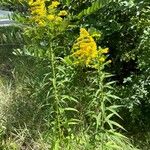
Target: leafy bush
[(125, 30)]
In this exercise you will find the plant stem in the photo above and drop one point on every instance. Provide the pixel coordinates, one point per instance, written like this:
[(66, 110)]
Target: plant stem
[(102, 104), (52, 59)]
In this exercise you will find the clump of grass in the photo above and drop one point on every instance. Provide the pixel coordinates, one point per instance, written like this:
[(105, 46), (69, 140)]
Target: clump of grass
[(5, 102), (15, 128), (6, 98)]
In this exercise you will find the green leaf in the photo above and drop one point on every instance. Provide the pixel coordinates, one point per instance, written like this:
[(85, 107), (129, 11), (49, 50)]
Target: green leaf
[(73, 121), (109, 116), (95, 6), (67, 97), (116, 124), (71, 109), (112, 96), (112, 109)]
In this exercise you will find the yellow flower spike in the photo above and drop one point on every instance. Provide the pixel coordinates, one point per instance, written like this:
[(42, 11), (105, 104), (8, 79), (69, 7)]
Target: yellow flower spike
[(85, 49), (38, 11), (38, 8), (62, 13), (85, 52)]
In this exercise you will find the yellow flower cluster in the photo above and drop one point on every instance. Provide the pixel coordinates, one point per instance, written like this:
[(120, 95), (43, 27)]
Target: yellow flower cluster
[(41, 15), (54, 5), (38, 10), (37, 7), (53, 15), (85, 50)]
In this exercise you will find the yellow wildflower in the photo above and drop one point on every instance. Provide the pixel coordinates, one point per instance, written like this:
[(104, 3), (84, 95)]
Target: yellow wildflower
[(40, 14), (36, 3), (85, 50), (38, 11), (62, 13), (38, 8), (54, 5)]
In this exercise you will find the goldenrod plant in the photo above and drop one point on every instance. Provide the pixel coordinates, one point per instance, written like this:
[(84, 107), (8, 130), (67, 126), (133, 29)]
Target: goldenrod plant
[(100, 129)]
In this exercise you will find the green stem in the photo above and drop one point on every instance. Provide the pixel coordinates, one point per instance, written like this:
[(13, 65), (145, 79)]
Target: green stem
[(102, 104), (52, 59)]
